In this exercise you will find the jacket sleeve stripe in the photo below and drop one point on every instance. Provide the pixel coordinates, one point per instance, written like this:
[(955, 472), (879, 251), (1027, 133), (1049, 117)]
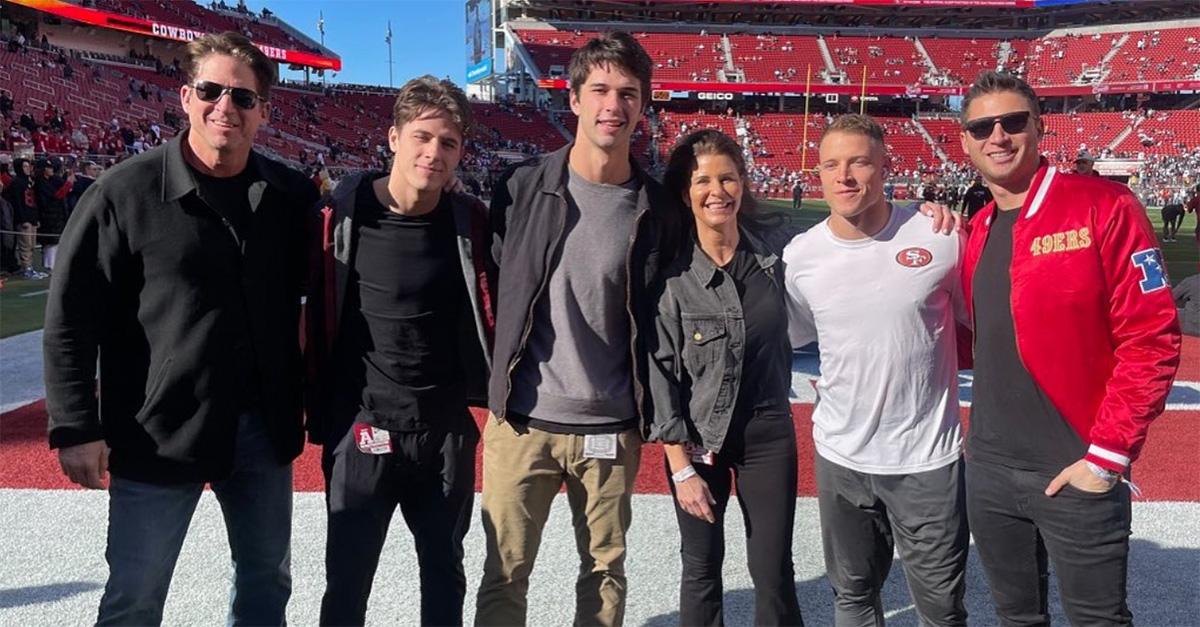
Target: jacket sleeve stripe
[(1105, 454)]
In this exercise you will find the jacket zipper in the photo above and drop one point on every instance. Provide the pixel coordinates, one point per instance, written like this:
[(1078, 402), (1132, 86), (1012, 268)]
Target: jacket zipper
[(516, 358)]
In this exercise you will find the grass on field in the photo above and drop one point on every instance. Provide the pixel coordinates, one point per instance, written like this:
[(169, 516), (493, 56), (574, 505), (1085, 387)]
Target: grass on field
[(23, 303), (1182, 256)]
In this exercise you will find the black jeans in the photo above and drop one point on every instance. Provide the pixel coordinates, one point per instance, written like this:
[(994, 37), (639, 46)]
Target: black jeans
[(1017, 527), (760, 454), (431, 476)]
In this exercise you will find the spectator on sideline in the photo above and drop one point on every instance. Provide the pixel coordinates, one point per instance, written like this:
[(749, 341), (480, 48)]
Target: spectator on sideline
[(975, 198), (579, 236), (1085, 164), (720, 375), (89, 171), (25, 215), (194, 253), (50, 192), (389, 385), (1061, 402), (880, 293), (8, 240)]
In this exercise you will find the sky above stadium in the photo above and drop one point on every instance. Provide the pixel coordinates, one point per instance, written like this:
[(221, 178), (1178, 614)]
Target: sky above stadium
[(427, 36)]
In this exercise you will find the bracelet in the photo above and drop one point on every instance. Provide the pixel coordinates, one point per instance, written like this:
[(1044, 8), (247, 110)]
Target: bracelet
[(1104, 473), (688, 472)]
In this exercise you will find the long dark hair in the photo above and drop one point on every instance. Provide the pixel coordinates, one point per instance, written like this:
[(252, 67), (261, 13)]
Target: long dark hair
[(678, 177)]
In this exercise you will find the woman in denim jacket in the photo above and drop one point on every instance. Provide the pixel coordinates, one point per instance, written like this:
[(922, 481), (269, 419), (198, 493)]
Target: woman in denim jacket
[(720, 376)]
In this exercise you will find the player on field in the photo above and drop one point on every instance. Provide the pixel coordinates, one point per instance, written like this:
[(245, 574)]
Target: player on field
[(398, 339), (1076, 345), (719, 377), (881, 295)]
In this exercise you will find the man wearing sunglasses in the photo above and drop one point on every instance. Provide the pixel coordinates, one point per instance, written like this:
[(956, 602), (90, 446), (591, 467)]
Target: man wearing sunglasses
[(182, 269), (1076, 345)]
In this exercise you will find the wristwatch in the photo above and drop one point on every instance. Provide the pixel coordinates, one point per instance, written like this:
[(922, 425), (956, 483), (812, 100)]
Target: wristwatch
[(1110, 476)]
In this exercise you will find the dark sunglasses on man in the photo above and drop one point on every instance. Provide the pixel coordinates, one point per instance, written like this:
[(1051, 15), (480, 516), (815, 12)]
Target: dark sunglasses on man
[(243, 98), (1012, 123)]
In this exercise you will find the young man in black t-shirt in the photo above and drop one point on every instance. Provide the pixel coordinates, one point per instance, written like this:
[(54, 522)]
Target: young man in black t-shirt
[(398, 333)]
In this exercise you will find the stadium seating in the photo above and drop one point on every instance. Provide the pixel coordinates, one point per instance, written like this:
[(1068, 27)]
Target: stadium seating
[(1167, 54), (1164, 133), (1064, 60), (888, 60), (962, 59), (777, 59)]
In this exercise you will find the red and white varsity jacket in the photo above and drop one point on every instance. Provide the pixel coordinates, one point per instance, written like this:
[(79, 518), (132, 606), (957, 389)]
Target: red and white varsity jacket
[(1095, 323)]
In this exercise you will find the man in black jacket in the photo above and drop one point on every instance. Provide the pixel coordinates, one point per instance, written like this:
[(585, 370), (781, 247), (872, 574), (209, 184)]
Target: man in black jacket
[(182, 270), (397, 356), (579, 234), (20, 194)]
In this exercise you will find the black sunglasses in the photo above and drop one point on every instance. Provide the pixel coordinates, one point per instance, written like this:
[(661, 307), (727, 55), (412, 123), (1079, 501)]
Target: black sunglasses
[(243, 98), (1012, 123)]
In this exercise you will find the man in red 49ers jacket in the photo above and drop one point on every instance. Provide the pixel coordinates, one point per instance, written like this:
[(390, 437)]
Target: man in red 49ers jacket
[(1076, 345)]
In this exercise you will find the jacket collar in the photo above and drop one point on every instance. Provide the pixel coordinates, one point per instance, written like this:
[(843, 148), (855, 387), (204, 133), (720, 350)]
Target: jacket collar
[(1038, 188), (178, 178), (554, 170), (706, 270)]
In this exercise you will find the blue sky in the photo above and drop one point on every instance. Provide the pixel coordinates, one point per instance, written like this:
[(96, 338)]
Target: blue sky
[(427, 36)]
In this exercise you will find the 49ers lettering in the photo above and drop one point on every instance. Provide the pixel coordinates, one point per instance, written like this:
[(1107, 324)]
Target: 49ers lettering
[(1074, 239)]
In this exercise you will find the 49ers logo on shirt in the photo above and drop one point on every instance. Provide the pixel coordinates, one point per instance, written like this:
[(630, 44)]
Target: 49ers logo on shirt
[(914, 257)]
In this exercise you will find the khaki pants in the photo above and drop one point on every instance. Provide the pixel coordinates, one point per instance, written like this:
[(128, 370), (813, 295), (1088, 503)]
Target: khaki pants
[(522, 471), (25, 241)]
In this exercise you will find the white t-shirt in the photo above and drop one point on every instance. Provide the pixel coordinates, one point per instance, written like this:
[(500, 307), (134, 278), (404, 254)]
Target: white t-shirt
[(883, 310)]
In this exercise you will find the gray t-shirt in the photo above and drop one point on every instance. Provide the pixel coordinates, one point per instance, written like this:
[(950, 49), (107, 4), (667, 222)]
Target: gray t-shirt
[(576, 370)]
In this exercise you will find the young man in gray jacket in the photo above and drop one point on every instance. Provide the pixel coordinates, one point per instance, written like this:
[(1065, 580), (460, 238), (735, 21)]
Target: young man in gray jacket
[(579, 234)]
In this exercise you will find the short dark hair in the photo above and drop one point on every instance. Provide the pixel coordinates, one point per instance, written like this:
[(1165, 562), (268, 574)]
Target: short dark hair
[(426, 93), (857, 124), (992, 82), (235, 45), (619, 49)]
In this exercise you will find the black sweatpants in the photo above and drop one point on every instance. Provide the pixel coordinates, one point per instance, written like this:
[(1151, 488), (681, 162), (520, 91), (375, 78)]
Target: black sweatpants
[(865, 517), (1017, 527), (431, 476), (760, 455)]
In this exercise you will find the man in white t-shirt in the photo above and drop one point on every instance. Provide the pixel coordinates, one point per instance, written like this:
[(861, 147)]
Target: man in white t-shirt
[(879, 290)]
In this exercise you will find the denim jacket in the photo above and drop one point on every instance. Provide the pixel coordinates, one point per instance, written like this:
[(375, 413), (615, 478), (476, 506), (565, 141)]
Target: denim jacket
[(696, 355)]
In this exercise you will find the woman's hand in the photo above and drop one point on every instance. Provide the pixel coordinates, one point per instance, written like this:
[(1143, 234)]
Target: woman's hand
[(695, 499)]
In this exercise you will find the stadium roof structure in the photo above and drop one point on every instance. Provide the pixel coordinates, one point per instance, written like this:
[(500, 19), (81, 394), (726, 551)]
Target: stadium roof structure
[(964, 14)]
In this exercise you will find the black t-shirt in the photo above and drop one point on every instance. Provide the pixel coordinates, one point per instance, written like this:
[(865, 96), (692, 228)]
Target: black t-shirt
[(398, 349), (229, 196), (1012, 421), (766, 361)]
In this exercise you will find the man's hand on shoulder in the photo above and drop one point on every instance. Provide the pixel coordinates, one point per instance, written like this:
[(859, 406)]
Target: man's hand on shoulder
[(944, 219), (85, 464)]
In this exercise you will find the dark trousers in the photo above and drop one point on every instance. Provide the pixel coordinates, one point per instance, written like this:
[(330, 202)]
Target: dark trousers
[(760, 455), (431, 476), (1018, 528), (148, 522), (865, 517)]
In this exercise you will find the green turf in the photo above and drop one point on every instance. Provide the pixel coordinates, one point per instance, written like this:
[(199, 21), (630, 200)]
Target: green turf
[(22, 305), (1182, 256)]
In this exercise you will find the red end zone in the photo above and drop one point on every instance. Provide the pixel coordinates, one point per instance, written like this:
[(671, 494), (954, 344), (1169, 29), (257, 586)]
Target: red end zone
[(1164, 472)]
